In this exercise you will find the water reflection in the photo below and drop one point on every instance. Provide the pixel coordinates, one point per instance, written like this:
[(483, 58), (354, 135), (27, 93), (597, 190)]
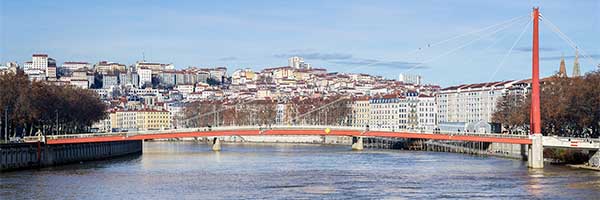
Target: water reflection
[(194, 171), (534, 184)]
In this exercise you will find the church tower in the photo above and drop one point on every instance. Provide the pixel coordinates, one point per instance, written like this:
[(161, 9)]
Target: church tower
[(576, 72), (562, 72)]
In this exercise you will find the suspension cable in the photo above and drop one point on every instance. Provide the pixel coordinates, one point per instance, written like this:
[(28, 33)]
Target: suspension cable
[(483, 51), (216, 111), (568, 40), (320, 107), (500, 26), (469, 33), (459, 47), (501, 64), (477, 31)]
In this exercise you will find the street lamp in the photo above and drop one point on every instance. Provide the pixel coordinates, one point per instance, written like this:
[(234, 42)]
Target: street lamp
[(56, 111), (6, 124)]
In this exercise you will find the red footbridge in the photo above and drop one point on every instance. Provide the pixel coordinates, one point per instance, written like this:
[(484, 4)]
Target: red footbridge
[(285, 130), (548, 141)]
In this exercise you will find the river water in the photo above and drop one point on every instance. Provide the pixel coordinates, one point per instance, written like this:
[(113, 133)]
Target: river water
[(178, 170)]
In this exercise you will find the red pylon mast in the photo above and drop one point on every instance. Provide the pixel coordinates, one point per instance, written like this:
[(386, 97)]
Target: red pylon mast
[(535, 76)]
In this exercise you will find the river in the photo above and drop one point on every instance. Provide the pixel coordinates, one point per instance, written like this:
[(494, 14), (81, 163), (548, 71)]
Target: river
[(180, 170)]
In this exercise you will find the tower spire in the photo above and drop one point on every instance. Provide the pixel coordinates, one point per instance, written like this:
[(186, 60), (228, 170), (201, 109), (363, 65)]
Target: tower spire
[(576, 71), (562, 71)]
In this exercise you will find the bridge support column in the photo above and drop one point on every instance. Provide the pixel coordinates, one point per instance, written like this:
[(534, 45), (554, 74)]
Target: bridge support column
[(594, 158), (357, 143), (216, 144), (535, 158)]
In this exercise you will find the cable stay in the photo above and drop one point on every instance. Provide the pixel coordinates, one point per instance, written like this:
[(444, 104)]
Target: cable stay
[(495, 29), (568, 40), (477, 31), (466, 34), (459, 47), (216, 111), (496, 40), (481, 33), (319, 108), (501, 64)]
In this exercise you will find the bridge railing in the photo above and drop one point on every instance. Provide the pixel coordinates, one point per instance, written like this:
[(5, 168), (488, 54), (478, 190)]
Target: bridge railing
[(462, 133), (281, 127), (313, 127), (82, 135), (562, 142)]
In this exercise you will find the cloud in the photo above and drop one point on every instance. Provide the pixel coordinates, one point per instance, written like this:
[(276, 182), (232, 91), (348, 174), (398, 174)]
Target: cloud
[(317, 56), (542, 49), (380, 63), (350, 60), (595, 56), (228, 58)]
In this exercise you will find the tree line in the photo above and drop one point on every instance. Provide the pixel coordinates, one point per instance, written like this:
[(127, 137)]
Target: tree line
[(26, 107), (569, 107)]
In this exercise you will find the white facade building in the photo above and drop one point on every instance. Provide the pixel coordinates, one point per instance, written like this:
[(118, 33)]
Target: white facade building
[(410, 79), (145, 75), (470, 102), (74, 66), (361, 112), (388, 112), (295, 62), (395, 112), (298, 63), (39, 62), (156, 67), (426, 112), (40, 67)]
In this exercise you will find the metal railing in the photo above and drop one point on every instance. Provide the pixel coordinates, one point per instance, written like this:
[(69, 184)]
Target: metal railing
[(279, 127)]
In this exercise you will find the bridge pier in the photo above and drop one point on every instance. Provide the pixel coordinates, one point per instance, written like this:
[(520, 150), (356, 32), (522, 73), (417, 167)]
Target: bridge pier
[(216, 144), (357, 143), (594, 158), (535, 158)]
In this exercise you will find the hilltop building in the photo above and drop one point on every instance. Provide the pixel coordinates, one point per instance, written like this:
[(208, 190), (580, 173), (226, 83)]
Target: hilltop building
[(410, 79)]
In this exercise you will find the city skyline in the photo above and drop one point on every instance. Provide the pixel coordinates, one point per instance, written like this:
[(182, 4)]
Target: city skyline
[(333, 35), (269, 99)]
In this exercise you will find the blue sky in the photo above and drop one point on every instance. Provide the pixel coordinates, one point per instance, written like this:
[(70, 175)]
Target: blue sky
[(348, 36)]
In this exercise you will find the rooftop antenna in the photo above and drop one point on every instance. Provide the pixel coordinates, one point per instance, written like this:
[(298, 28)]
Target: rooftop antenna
[(143, 57)]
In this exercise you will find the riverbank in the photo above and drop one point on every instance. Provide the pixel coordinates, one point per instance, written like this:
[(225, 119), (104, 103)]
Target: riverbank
[(583, 166)]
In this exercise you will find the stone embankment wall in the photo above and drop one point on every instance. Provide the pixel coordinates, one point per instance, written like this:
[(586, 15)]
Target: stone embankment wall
[(515, 151), (34, 155)]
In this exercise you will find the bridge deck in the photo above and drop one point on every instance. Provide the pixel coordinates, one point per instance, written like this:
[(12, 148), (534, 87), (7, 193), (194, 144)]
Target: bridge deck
[(319, 132)]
